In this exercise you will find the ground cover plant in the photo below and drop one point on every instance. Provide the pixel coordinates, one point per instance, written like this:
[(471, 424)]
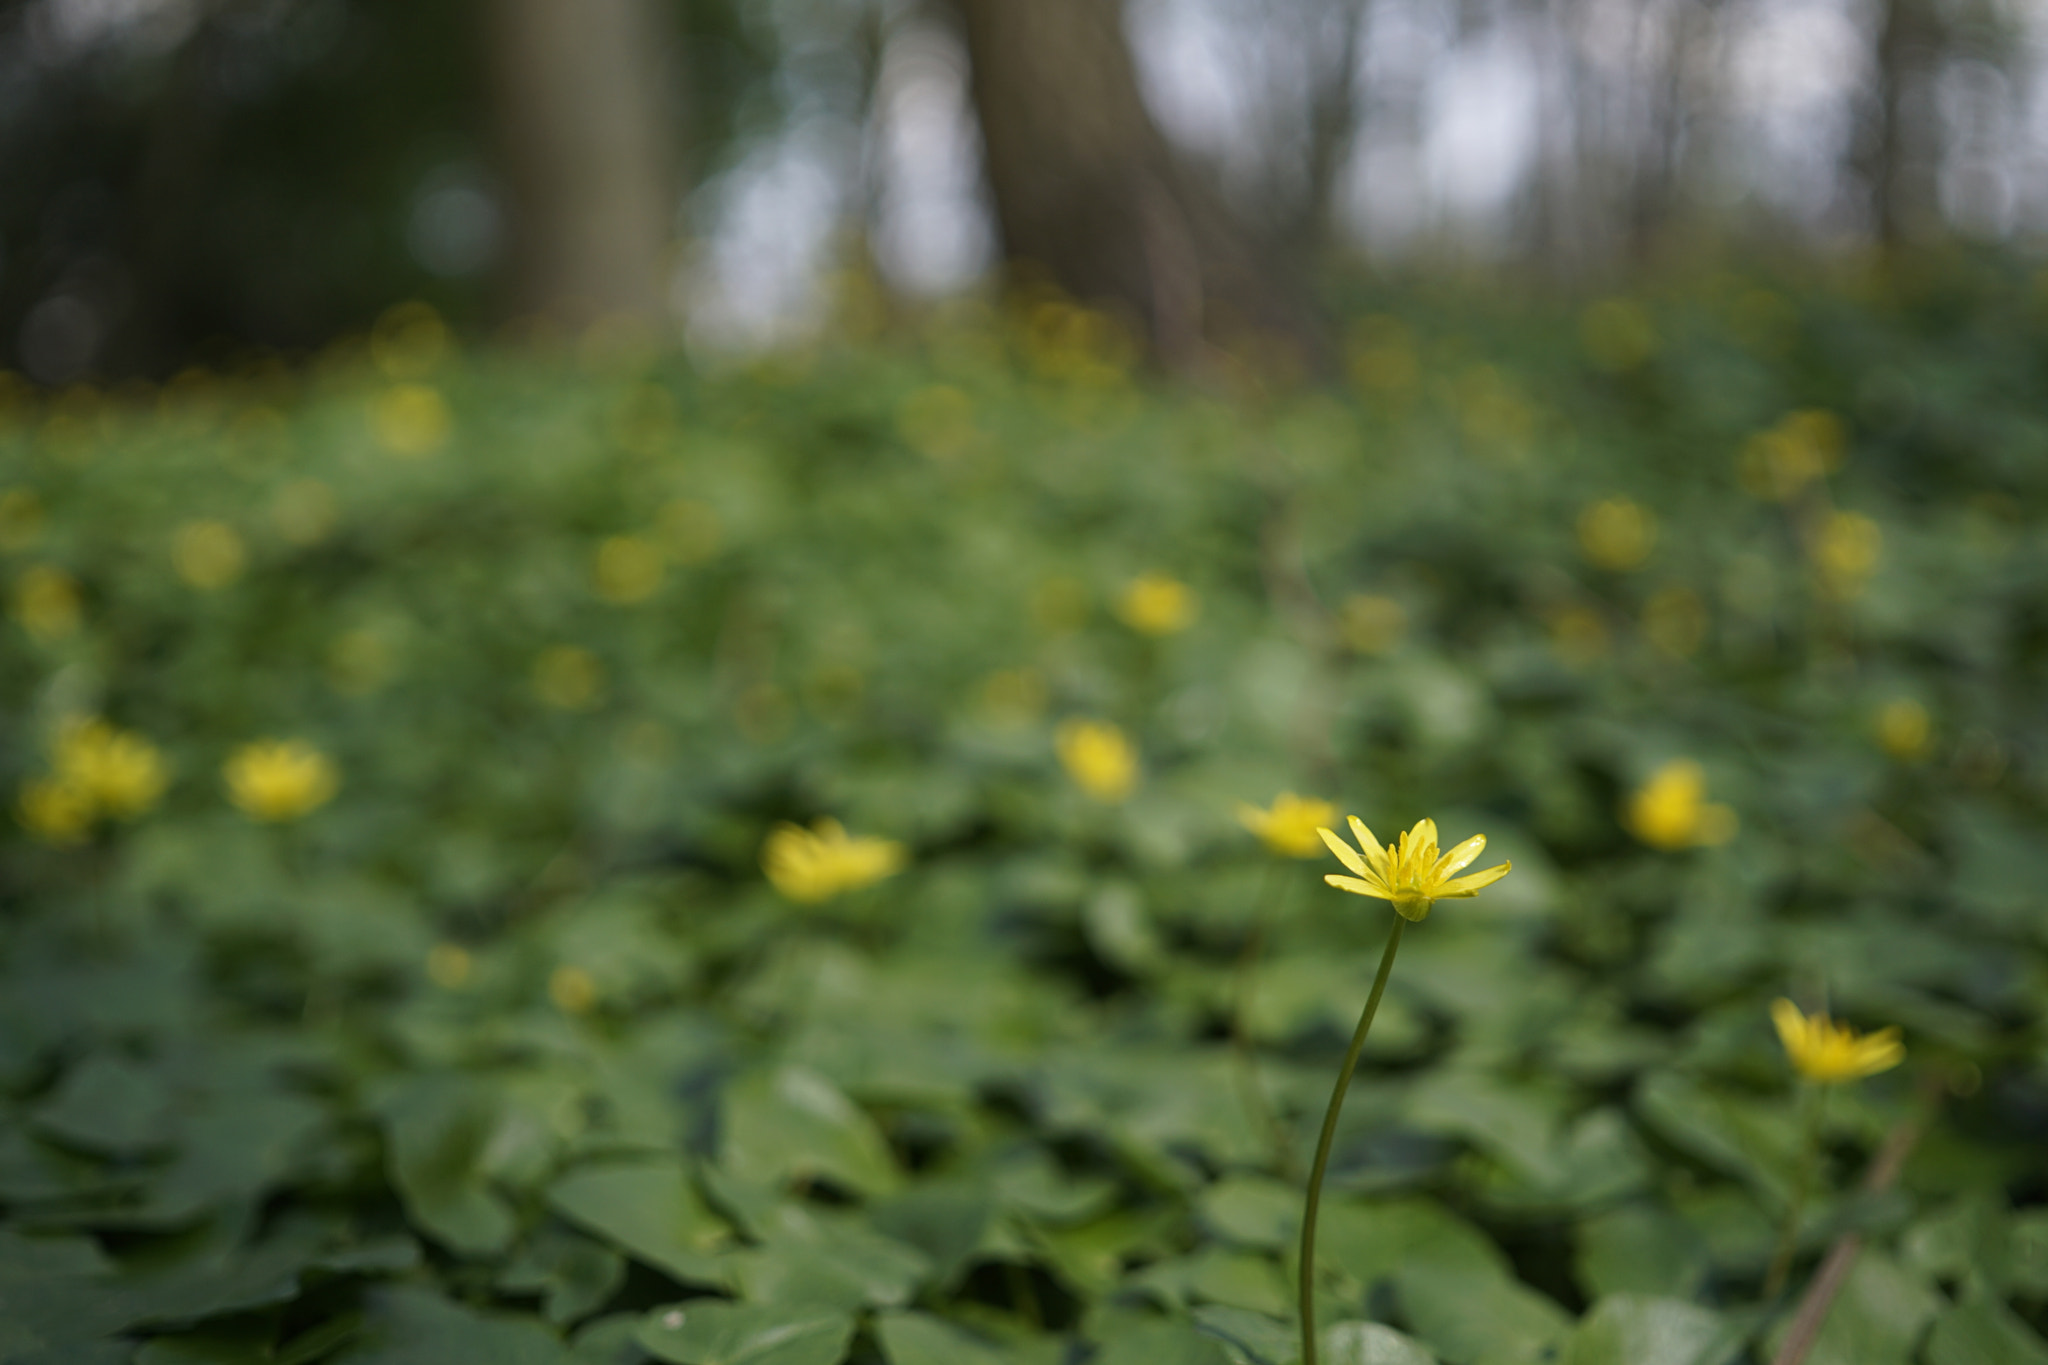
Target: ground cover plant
[(541, 860)]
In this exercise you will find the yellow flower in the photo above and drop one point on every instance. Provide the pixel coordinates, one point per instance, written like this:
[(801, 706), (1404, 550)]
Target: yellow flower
[(280, 779), (55, 811), (1290, 827), (1671, 810), (816, 864), (1830, 1053), (1903, 728), (1157, 605), (1410, 873), (628, 569), (208, 554), (411, 419), (46, 602), (568, 678), (448, 966), (573, 990), (1617, 534), (1372, 624), (1099, 757), (1846, 551), (116, 772)]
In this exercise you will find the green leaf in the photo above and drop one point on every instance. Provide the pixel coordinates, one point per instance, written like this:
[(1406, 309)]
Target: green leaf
[(1489, 1320), (1640, 1249), (715, 1332), (1631, 1329), (946, 1220), (1368, 1343), (1877, 1319), (108, 1103), (921, 1339), (438, 1129), (1983, 1331), (1253, 1211), (577, 1276), (823, 1260), (415, 1326), (1162, 1343), (794, 1124), (650, 1209)]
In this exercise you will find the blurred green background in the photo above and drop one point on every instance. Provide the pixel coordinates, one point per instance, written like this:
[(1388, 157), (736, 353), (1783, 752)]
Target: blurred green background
[(472, 477)]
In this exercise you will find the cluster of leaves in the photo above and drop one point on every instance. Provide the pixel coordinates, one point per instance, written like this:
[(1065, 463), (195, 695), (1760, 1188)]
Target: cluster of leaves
[(508, 1053)]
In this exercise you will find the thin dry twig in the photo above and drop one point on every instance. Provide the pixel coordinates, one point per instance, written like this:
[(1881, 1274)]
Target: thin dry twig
[(1841, 1258)]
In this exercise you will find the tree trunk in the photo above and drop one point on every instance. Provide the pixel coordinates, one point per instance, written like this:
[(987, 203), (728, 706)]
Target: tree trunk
[(1086, 187), (587, 166)]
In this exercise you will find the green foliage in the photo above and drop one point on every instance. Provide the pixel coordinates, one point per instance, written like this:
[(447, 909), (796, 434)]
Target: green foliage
[(509, 1052)]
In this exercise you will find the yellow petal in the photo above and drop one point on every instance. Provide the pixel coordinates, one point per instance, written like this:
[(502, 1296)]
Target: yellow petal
[(1791, 1025), (1357, 887), (1472, 885), (1345, 853), (1425, 837), (1373, 853), (1459, 858)]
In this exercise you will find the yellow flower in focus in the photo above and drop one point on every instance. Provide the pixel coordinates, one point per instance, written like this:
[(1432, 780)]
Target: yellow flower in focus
[(1290, 828), (208, 554), (1846, 551), (55, 811), (1372, 624), (1671, 810), (411, 419), (1410, 873), (1617, 534), (568, 678), (628, 570), (1829, 1053), (1904, 728), (1099, 757), (118, 773), (1154, 604), (47, 602), (816, 864), (276, 780)]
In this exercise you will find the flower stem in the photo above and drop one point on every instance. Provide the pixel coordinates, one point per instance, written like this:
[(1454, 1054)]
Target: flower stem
[(1814, 1104), (1256, 1107), (1322, 1161)]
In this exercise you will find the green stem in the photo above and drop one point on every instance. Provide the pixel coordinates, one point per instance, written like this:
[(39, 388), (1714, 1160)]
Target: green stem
[(1322, 1162), (1814, 1103), (1253, 1095)]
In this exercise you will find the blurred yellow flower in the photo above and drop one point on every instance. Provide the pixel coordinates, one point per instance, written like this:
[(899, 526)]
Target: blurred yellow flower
[(1154, 604), (1372, 624), (1904, 728), (280, 779), (1059, 605), (1830, 1053), (1099, 757), (1617, 334), (1013, 696), (573, 990), (55, 811), (448, 966), (360, 661), (1675, 621), (1411, 874), (1291, 826), (411, 419), (1778, 464), (118, 772), (1846, 551), (816, 864), (1617, 534), (47, 602), (627, 569), (1579, 636), (304, 511), (1671, 810), (568, 678), (409, 341), (937, 421), (690, 531), (208, 554), (21, 520)]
